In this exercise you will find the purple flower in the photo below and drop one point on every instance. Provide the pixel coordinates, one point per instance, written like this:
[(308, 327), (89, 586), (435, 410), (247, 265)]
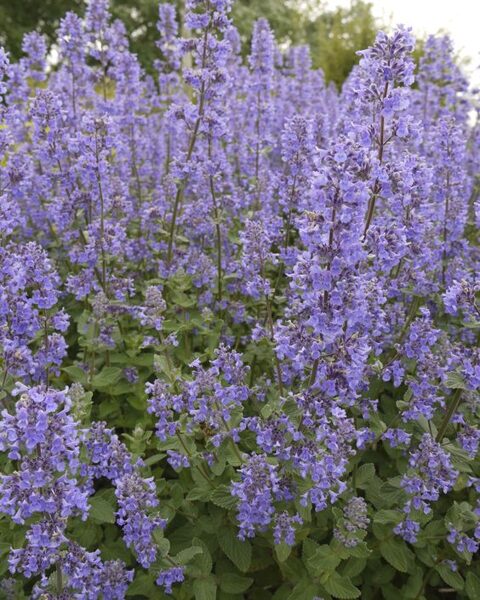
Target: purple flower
[(167, 578)]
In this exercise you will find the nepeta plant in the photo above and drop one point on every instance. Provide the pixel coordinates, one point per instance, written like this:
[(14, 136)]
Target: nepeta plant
[(239, 318)]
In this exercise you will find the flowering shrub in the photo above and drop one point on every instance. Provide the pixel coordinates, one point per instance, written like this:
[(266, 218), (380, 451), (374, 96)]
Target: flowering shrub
[(239, 319)]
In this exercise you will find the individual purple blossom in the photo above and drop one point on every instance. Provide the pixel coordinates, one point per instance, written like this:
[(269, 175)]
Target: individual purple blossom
[(168, 43), (462, 541), (408, 530), (430, 473), (168, 577), (136, 498), (284, 528), (42, 438), (256, 491), (4, 64), (397, 437), (350, 529), (177, 460), (35, 48), (461, 295)]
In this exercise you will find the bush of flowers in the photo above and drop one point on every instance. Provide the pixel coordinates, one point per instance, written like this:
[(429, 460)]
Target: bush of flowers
[(239, 319)]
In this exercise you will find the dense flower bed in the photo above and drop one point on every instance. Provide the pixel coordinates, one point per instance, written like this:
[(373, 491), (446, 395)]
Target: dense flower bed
[(238, 319)]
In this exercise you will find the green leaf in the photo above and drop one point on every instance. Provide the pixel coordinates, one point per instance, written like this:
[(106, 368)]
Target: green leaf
[(303, 590), (142, 585), (387, 516), (185, 556), (234, 584), (101, 510), (396, 553), (154, 459), (324, 559), (205, 589), (240, 553), (107, 376), (203, 560), (353, 567), (77, 374), (361, 550), (413, 587), (451, 578), (472, 586), (222, 496), (455, 381), (364, 474), (341, 587), (282, 551), (163, 544), (199, 493)]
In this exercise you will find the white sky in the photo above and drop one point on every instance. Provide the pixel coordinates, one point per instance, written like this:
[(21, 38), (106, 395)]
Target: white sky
[(459, 18)]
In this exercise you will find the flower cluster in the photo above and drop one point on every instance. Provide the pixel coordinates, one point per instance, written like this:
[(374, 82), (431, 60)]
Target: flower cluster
[(239, 316)]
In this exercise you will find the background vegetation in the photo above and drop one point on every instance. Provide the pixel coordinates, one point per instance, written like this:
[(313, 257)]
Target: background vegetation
[(333, 35)]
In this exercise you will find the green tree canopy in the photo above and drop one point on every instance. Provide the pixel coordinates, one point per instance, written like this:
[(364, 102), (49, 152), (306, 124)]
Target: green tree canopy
[(334, 35)]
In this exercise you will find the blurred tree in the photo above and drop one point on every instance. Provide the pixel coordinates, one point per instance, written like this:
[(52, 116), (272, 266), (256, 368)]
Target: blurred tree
[(334, 35), (18, 17)]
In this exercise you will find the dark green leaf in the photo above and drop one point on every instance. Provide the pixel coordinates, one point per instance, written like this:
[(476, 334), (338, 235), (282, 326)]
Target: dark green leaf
[(234, 584), (205, 589), (472, 586), (222, 496), (107, 376), (185, 556), (240, 553), (282, 551), (341, 587), (364, 474), (396, 553), (455, 381), (101, 510), (451, 578)]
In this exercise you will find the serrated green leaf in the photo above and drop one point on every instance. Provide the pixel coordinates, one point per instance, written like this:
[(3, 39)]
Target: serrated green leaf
[(303, 590), (387, 516), (101, 510), (341, 587), (204, 560), (282, 551), (455, 381), (163, 544), (185, 556), (154, 459), (232, 583), (413, 587), (451, 578), (142, 585), (323, 559), (472, 586), (107, 376), (361, 550), (199, 493), (222, 496), (76, 374), (240, 553), (353, 567), (365, 473), (396, 553), (205, 589)]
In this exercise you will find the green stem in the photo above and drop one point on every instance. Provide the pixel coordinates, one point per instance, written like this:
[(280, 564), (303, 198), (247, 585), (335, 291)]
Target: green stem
[(376, 187), (451, 410), (218, 230), (191, 147), (59, 579)]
